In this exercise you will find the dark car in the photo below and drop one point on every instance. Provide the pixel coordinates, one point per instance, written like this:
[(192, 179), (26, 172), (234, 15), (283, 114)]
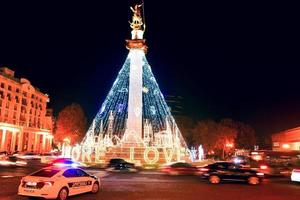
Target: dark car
[(217, 172), (10, 161), (119, 164), (28, 156), (180, 168)]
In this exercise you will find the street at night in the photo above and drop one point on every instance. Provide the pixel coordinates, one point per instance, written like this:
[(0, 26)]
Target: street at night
[(201, 104), (154, 185)]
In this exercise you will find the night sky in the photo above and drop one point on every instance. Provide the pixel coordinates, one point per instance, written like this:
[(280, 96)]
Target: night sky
[(237, 60)]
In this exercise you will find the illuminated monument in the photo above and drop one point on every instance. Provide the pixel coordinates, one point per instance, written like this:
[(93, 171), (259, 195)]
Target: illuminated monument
[(134, 114)]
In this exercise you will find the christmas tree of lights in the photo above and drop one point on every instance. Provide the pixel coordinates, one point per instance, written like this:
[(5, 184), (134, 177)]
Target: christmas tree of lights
[(135, 111)]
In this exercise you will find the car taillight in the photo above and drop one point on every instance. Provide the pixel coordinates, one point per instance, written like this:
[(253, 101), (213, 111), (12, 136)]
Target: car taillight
[(23, 183), (263, 167), (49, 183), (166, 169), (40, 185)]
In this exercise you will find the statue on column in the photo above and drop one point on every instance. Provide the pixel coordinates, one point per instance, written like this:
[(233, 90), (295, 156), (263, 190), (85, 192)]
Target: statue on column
[(137, 20), (137, 10)]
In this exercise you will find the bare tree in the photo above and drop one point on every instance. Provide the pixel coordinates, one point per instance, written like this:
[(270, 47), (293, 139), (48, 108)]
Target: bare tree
[(71, 123), (246, 136)]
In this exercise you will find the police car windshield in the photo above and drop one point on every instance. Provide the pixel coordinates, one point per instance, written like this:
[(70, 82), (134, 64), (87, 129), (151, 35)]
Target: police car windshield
[(45, 173)]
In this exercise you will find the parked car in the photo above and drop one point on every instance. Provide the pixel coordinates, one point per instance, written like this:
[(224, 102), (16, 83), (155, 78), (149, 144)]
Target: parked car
[(48, 157), (29, 156), (180, 168), (275, 162), (3, 153), (295, 177), (222, 171), (12, 161)]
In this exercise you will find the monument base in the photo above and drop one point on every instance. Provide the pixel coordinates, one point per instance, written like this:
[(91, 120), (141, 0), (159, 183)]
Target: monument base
[(141, 156), (130, 139)]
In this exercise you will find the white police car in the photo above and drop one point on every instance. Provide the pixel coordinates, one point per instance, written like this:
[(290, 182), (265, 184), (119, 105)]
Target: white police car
[(58, 183)]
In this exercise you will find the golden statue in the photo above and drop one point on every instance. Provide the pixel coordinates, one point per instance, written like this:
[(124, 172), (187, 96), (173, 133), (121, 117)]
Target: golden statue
[(137, 20)]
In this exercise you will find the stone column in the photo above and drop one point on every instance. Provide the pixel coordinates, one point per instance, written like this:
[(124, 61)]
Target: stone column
[(2, 146), (20, 144), (50, 143), (13, 141), (35, 142), (29, 143), (44, 146)]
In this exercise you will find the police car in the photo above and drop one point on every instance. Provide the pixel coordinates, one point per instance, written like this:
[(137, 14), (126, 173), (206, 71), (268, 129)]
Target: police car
[(58, 182)]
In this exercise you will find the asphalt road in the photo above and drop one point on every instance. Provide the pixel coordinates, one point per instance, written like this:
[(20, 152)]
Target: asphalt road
[(148, 185)]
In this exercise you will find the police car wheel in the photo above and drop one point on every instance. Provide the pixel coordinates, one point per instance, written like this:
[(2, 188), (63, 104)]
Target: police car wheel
[(63, 194), (95, 188)]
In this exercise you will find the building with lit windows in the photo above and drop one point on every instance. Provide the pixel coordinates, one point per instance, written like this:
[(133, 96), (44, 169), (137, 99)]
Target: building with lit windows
[(25, 125), (287, 140)]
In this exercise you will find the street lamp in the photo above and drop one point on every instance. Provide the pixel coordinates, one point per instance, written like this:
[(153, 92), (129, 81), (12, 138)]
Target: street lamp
[(229, 145), (286, 146)]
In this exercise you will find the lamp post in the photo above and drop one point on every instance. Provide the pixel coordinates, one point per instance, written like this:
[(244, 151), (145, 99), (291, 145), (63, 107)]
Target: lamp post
[(227, 145)]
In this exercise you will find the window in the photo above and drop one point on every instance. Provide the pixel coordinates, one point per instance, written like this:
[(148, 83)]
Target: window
[(6, 114), (17, 90), (70, 173), (9, 97), (74, 173), (2, 85), (45, 173), (9, 87), (1, 94), (222, 166), (17, 99), (232, 166), (23, 109), (81, 173), (24, 102), (219, 166)]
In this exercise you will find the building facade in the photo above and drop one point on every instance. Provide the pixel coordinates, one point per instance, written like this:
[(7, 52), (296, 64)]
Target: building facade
[(287, 140), (25, 124)]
